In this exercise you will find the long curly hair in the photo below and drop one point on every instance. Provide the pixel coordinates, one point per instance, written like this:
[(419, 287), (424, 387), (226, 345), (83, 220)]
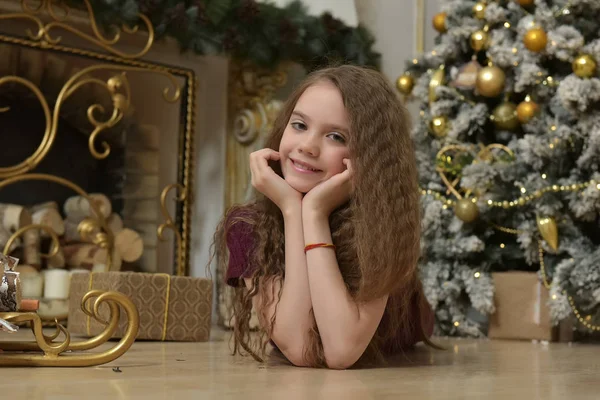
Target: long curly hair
[(376, 233)]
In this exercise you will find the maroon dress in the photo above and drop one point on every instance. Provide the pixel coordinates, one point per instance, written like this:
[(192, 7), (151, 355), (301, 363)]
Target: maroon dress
[(240, 241)]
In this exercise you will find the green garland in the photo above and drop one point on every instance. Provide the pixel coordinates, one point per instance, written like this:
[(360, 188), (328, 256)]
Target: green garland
[(244, 29)]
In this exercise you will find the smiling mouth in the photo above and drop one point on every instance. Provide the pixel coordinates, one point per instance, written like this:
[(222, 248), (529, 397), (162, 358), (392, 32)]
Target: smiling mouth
[(302, 167)]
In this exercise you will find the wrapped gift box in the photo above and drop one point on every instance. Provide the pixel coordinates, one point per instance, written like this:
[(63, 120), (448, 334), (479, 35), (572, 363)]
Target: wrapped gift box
[(172, 308), (522, 311)]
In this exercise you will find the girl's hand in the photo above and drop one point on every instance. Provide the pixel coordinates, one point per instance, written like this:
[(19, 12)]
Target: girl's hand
[(330, 194), (266, 181)]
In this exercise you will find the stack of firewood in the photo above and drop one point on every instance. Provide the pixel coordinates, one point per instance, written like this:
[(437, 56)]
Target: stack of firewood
[(81, 244)]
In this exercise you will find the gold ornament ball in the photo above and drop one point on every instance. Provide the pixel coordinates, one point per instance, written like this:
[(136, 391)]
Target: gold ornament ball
[(535, 39), (479, 10), (479, 40), (466, 210), (584, 66), (440, 126), (490, 81), (505, 116), (526, 110), (525, 3), (405, 84), (439, 22)]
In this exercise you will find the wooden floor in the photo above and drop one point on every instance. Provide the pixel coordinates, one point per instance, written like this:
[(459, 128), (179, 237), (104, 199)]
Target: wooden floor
[(470, 369)]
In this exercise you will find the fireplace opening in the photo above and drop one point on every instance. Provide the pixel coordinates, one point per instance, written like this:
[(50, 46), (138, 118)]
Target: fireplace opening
[(22, 130)]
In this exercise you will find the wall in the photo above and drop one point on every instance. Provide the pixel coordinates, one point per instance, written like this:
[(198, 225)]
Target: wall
[(394, 23)]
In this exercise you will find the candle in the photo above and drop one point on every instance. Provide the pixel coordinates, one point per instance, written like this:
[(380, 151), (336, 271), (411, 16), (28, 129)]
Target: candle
[(32, 284), (56, 284)]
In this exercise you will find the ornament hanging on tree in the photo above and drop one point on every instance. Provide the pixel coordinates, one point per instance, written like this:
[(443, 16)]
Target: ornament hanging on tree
[(505, 116), (437, 80), (525, 3), (440, 126), (548, 230), (480, 40), (479, 10), (584, 66), (467, 76), (526, 110), (405, 83), (439, 22), (535, 39), (490, 81), (466, 210)]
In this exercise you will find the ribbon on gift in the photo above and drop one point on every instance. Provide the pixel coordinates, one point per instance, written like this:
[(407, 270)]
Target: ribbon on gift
[(167, 300), (537, 304)]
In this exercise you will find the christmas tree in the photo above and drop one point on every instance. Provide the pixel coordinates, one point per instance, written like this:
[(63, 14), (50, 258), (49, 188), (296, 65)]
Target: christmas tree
[(508, 146)]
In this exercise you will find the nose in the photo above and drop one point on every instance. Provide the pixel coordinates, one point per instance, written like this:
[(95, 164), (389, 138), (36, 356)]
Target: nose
[(310, 145)]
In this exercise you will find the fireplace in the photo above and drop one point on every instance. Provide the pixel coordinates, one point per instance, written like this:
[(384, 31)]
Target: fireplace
[(123, 140)]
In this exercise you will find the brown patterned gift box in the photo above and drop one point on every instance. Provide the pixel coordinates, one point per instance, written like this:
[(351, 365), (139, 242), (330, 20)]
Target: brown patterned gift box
[(172, 308)]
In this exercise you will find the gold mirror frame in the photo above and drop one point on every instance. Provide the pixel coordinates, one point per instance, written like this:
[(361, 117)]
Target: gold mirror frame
[(50, 18)]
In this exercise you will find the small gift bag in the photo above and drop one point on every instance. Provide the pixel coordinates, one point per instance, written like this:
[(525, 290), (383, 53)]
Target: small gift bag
[(522, 311)]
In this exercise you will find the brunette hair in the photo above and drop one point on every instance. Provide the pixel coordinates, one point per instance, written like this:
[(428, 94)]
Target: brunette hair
[(376, 233)]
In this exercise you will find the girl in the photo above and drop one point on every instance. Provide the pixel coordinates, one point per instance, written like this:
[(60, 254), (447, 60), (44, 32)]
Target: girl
[(327, 253)]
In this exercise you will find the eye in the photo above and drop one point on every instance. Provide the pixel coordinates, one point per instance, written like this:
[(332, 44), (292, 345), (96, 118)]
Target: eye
[(299, 126), (337, 137)]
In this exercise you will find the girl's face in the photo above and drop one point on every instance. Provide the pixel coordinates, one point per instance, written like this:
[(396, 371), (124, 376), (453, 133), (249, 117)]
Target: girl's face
[(315, 140)]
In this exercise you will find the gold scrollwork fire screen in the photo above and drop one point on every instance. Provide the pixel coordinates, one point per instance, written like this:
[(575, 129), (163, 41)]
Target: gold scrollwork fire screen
[(96, 162)]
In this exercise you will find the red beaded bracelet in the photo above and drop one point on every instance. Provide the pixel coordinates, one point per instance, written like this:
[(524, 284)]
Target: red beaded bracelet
[(314, 246)]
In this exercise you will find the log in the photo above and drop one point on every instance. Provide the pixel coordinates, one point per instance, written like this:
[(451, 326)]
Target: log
[(47, 214), (86, 256), (14, 217), (147, 230), (4, 236), (31, 248), (57, 260), (129, 244), (114, 223), (71, 234), (77, 208)]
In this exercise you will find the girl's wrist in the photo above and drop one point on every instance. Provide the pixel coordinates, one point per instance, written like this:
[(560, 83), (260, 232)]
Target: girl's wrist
[(292, 210), (311, 214)]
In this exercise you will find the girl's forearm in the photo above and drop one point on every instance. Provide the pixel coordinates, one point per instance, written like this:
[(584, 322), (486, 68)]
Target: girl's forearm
[(293, 320), (336, 313)]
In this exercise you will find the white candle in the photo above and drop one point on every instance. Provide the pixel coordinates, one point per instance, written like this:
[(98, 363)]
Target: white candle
[(57, 283), (32, 285)]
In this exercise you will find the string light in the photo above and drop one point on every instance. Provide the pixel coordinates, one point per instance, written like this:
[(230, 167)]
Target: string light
[(584, 321), (521, 201), (456, 323), (477, 275), (502, 245)]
